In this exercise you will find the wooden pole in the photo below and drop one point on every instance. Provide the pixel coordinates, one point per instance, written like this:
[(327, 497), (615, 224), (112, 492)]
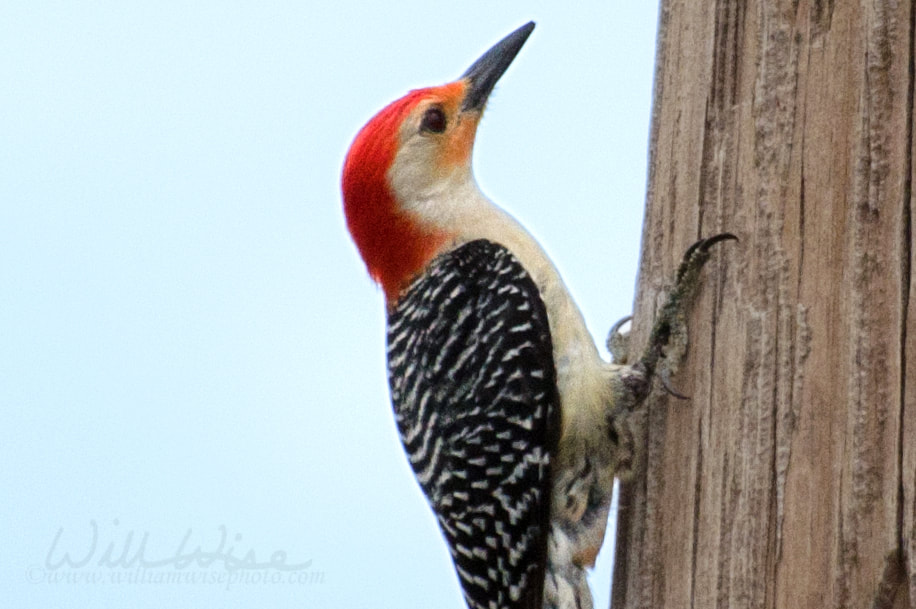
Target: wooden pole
[(789, 479)]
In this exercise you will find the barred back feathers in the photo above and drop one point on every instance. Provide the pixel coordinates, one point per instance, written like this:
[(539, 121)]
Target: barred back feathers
[(473, 384)]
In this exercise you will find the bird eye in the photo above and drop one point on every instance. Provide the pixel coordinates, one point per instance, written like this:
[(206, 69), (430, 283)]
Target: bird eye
[(434, 120)]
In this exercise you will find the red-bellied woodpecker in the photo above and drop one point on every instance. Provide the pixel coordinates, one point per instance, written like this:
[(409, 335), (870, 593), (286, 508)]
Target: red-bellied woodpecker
[(511, 420)]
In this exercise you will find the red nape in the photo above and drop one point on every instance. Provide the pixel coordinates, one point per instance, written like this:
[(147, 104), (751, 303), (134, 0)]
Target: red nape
[(393, 246)]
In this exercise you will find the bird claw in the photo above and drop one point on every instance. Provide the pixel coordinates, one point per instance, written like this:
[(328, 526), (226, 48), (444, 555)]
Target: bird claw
[(618, 343), (671, 321), (665, 380), (698, 253), (668, 339)]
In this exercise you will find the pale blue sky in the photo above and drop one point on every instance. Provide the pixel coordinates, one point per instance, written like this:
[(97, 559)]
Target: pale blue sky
[(188, 339)]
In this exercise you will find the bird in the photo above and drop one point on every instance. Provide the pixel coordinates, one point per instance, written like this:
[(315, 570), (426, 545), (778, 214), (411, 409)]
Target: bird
[(511, 420)]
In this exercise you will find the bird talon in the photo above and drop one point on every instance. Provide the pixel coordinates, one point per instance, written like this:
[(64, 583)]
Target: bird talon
[(670, 324), (698, 253), (710, 241), (618, 343), (665, 382), (615, 329)]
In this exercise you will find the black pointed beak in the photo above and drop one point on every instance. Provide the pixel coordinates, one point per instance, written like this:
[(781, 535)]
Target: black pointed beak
[(482, 76)]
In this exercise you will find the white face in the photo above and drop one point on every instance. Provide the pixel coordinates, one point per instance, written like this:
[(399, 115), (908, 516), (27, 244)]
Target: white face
[(432, 167), (418, 169)]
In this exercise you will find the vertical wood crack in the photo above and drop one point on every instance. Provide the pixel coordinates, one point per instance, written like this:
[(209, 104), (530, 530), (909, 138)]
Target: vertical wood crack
[(697, 490), (906, 272)]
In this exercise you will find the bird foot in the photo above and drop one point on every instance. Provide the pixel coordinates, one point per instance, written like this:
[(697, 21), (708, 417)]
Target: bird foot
[(668, 340)]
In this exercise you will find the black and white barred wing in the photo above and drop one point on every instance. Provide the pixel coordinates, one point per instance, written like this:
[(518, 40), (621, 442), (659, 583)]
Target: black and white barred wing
[(473, 385)]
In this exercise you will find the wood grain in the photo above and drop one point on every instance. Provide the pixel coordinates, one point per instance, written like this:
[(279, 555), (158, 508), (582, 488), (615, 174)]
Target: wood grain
[(789, 479)]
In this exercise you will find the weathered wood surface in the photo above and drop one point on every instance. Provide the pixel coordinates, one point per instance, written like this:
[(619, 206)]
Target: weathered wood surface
[(789, 479)]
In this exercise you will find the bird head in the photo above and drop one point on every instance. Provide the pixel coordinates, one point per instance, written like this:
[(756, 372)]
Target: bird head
[(407, 158)]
